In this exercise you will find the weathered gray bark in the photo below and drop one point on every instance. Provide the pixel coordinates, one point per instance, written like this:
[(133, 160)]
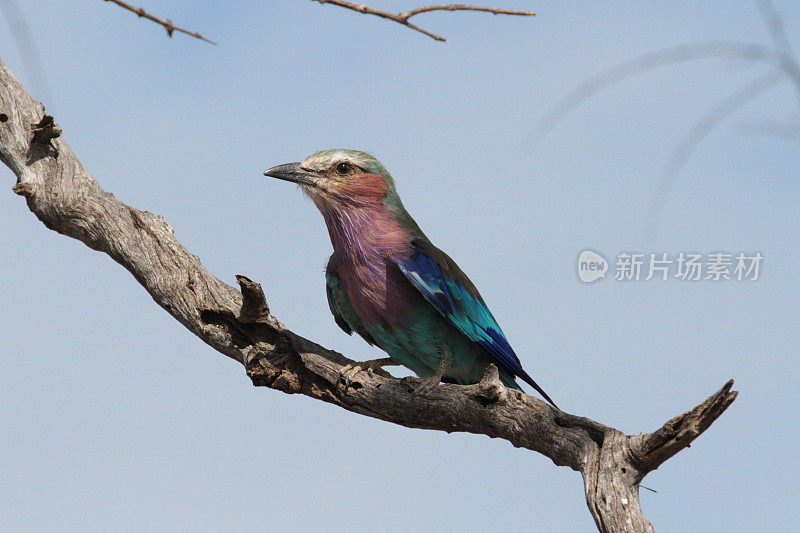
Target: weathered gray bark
[(67, 199)]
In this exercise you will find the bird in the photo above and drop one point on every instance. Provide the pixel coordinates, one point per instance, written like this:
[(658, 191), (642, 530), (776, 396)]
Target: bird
[(388, 283)]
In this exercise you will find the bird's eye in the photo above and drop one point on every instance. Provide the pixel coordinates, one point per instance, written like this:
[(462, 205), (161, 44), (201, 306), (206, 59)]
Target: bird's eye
[(344, 168)]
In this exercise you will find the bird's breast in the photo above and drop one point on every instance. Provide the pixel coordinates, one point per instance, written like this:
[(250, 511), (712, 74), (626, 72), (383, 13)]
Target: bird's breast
[(367, 246), (376, 287)]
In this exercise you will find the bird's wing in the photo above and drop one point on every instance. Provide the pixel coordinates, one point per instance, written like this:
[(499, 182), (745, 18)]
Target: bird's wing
[(339, 303), (451, 292)]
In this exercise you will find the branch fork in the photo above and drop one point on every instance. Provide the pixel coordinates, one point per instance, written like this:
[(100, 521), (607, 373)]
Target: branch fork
[(403, 18)]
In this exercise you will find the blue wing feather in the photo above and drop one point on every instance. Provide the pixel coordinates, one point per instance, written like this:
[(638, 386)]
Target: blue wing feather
[(448, 289)]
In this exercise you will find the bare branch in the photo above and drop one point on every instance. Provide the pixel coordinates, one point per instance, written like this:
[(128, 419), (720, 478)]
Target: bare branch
[(782, 58), (402, 18), (699, 131), (167, 23), (465, 7), (788, 69), (781, 41), (774, 128), (653, 449), (26, 45), (651, 60), (62, 194)]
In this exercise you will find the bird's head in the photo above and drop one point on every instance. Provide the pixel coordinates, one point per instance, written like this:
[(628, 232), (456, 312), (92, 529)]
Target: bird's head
[(337, 178)]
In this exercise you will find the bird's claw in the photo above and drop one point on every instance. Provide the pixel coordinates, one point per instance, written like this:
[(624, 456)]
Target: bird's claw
[(348, 372), (426, 385), (433, 381)]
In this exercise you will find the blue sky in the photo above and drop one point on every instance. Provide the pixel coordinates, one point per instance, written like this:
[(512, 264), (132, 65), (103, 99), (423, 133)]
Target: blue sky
[(116, 417)]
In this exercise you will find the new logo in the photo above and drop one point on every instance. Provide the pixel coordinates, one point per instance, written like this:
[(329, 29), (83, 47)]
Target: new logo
[(591, 266)]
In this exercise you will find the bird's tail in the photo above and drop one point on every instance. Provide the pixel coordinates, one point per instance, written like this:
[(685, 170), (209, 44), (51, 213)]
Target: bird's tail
[(529, 380)]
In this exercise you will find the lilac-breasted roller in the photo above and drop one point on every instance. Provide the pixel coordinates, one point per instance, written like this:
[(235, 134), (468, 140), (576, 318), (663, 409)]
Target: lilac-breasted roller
[(387, 282)]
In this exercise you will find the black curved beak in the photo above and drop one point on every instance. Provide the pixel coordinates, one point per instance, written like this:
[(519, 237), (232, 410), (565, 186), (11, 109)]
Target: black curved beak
[(292, 172)]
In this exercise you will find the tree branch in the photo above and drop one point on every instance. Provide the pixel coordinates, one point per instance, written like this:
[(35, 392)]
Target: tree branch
[(402, 18), (62, 194), (781, 58), (167, 23)]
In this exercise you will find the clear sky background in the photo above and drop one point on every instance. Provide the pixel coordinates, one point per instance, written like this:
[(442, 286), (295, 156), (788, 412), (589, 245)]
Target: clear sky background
[(115, 417)]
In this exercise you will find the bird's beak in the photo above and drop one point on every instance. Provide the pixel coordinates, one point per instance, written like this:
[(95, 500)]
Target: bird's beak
[(292, 172)]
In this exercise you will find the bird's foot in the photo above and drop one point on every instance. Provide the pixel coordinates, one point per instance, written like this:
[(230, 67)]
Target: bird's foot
[(426, 385), (348, 372), (433, 381)]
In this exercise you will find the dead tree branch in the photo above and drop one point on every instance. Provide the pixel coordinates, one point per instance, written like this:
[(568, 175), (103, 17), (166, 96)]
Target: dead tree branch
[(167, 23), (403, 18), (239, 324)]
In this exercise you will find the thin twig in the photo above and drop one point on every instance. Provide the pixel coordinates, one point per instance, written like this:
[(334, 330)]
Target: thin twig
[(649, 61), (167, 23), (402, 18), (26, 45), (789, 68), (785, 68), (773, 128), (465, 7), (780, 55), (781, 41), (699, 131)]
